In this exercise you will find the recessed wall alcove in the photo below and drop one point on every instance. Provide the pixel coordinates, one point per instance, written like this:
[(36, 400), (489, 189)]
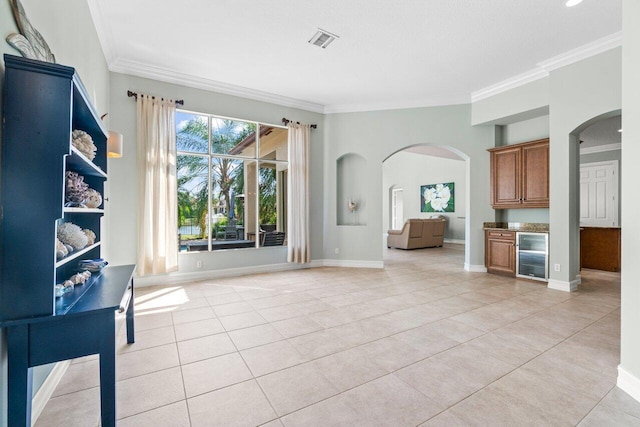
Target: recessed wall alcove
[(351, 190)]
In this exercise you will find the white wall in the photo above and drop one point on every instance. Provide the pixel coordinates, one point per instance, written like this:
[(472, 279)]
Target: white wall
[(123, 176), (521, 103), (376, 136), (629, 370), (525, 130), (409, 171), (579, 94), (68, 28)]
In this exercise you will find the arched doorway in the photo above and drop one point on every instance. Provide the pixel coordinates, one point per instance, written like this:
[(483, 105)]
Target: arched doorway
[(409, 171), (599, 192)]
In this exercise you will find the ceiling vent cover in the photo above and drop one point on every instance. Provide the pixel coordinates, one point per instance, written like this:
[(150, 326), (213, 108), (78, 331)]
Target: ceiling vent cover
[(322, 38)]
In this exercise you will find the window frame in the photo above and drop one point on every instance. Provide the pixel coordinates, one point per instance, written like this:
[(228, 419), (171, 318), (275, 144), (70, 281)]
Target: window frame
[(256, 160)]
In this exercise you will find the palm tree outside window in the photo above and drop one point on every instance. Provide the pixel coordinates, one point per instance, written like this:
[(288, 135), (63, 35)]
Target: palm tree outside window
[(229, 172)]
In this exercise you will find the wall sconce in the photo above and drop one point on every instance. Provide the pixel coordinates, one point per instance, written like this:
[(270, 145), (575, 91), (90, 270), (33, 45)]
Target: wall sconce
[(114, 145)]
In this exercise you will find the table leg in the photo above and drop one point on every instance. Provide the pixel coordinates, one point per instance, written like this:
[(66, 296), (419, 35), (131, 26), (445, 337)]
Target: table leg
[(108, 370), (130, 314), (19, 376)]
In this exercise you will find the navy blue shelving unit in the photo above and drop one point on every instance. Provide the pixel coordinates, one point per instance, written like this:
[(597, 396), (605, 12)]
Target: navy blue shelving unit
[(43, 104)]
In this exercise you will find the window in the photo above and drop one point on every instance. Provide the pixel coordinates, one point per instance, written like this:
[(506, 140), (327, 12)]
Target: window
[(232, 187)]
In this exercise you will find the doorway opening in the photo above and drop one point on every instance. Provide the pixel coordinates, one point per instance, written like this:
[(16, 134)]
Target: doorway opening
[(412, 172), (599, 194), (397, 208)]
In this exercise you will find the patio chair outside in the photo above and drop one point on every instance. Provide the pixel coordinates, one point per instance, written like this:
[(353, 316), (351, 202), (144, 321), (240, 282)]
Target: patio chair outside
[(230, 231), (273, 238)]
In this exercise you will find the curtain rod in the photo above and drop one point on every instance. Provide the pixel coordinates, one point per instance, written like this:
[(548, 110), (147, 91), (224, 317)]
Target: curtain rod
[(135, 95), (286, 122)]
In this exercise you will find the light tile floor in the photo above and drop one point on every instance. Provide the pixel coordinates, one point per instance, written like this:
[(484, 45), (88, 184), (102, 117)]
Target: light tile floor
[(421, 342)]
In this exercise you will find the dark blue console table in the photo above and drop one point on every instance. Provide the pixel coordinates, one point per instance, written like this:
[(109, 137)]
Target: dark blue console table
[(87, 327)]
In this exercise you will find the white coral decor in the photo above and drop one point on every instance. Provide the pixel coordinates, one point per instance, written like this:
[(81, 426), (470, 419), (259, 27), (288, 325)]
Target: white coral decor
[(72, 235), (84, 144)]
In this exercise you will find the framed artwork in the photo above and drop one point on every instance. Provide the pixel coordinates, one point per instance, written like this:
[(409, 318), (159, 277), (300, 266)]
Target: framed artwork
[(437, 197)]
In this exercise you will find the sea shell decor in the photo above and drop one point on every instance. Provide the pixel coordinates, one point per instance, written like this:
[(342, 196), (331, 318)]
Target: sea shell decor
[(71, 234), (61, 249), (83, 142), (69, 284), (91, 236), (93, 265), (29, 42), (76, 190), (93, 199)]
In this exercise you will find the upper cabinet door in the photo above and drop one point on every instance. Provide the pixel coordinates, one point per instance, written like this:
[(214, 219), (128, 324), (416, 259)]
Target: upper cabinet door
[(520, 175), (535, 168), (505, 177)]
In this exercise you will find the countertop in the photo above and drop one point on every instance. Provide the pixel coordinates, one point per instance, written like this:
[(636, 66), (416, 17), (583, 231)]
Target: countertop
[(517, 226)]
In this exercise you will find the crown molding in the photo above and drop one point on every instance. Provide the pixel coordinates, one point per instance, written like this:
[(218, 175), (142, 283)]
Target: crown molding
[(125, 66), (600, 148), (583, 52), (543, 68), (396, 105), (139, 69), (508, 84), (104, 31)]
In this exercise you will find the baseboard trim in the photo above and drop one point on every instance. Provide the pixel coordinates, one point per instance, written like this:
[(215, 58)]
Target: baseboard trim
[(46, 389), (177, 278), (561, 285), (475, 268), (628, 383), (456, 241), (352, 263)]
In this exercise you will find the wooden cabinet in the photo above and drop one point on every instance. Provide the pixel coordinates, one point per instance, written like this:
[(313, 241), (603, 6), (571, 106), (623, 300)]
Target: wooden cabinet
[(520, 175), (600, 248), (500, 252)]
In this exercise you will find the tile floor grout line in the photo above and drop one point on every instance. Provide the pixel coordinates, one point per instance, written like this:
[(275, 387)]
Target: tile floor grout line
[(516, 368), (153, 409), (408, 278), (184, 387), (361, 302), (596, 405), (368, 342)]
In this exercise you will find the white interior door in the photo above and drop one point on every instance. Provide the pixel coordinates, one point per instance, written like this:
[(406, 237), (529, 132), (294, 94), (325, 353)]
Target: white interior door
[(397, 211), (599, 194)]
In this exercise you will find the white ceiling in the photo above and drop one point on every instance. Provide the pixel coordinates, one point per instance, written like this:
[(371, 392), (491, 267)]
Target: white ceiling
[(433, 151), (390, 54)]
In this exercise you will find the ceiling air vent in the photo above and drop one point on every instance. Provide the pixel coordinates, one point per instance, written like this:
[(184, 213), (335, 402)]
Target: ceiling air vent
[(322, 38)]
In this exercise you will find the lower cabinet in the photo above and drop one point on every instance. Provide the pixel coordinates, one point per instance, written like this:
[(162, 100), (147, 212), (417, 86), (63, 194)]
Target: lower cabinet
[(500, 252), (600, 248)]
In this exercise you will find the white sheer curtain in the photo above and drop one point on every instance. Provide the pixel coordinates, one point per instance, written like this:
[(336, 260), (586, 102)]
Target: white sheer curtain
[(298, 194), (157, 198)]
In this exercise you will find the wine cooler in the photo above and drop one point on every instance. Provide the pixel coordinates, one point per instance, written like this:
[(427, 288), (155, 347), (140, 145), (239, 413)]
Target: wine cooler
[(532, 255)]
